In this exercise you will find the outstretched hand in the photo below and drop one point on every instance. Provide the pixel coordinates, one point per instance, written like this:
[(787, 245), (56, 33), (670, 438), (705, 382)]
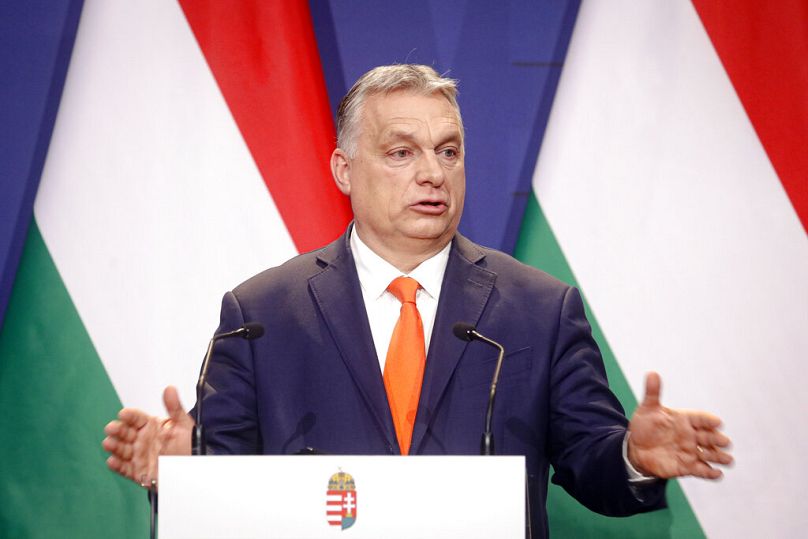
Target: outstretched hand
[(667, 443), (136, 439)]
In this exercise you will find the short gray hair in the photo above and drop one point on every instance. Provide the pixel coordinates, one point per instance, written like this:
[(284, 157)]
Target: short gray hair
[(414, 78)]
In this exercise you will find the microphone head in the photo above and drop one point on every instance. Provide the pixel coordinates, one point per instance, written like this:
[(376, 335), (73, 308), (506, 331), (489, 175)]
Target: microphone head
[(252, 330), (464, 331)]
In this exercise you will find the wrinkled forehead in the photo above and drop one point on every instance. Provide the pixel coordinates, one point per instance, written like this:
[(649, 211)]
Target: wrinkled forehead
[(383, 111)]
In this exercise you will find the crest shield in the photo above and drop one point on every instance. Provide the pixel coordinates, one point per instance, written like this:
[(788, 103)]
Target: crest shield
[(340, 500)]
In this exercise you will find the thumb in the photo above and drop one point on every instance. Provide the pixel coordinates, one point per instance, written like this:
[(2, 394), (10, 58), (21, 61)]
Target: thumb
[(171, 399), (653, 385)]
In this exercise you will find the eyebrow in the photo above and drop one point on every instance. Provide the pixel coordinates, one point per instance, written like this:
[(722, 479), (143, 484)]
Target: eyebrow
[(410, 135), (398, 134)]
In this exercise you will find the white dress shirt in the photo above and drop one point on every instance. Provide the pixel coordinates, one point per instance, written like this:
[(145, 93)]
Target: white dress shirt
[(383, 308)]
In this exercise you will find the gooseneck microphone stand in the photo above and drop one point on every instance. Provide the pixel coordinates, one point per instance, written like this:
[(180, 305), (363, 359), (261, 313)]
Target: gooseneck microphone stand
[(249, 331), (467, 332)]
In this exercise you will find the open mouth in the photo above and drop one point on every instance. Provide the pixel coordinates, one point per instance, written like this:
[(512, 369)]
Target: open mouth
[(430, 206)]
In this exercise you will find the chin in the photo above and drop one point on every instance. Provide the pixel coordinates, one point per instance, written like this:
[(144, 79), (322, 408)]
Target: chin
[(432, 234)]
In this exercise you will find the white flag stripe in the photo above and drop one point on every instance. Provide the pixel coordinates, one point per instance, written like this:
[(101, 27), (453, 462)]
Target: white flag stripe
[(682, 237), (150, 202)]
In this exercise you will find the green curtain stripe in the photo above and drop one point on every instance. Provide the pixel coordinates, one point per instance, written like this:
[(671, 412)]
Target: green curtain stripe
[(538, 247), (56, 398)]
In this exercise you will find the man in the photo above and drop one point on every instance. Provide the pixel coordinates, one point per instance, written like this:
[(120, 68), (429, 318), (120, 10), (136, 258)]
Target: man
[(343, 366)]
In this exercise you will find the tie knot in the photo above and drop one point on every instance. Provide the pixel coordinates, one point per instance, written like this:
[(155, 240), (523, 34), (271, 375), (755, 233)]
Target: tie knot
[(404, 288)]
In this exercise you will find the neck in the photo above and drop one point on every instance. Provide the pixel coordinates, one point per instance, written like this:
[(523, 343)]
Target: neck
[(405, 263), (406, 257)]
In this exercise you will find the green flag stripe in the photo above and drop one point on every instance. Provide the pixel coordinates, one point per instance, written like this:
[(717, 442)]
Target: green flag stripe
[(56, 398), (538, 247)]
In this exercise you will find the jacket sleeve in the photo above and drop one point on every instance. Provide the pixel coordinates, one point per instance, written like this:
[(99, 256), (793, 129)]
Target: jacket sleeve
[(588, 424), (229, 412)]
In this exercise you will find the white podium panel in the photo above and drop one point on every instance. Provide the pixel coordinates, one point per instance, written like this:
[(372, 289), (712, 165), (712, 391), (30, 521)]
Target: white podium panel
[(345, 497)]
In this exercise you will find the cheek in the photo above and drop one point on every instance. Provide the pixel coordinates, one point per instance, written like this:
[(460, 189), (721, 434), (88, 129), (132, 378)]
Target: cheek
[(396, 193), (457, 181), (380, 202)]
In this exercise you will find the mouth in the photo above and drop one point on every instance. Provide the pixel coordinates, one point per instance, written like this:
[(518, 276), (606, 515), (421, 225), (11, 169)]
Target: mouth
[(430, 207)]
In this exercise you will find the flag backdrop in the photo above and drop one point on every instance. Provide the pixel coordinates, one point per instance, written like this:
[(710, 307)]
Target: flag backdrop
[(188, 154), (667, 188)]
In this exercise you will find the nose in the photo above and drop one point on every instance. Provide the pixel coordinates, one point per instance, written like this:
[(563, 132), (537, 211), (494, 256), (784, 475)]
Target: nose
[(430, 170)]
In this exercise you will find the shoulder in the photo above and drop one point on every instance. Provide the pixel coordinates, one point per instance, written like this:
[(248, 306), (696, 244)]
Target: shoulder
[(293, 276), (510, 274)]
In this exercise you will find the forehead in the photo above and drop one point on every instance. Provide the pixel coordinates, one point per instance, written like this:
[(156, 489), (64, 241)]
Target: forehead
[(402, 108)]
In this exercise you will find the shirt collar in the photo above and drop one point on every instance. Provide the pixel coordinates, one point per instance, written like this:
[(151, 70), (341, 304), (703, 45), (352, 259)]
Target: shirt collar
[(376, 273)]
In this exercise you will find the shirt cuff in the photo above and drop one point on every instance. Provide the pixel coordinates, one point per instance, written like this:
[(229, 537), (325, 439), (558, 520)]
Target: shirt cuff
[(635, 478)]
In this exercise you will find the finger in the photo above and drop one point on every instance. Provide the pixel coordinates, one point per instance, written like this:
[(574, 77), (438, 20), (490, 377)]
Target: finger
[(707, 438), (132, 417), (653, 385), (119, 431), (702, 420), (721, 457), (112, 428), (121, 451), (112, 446), (126, 470), (113, 464), (119, 467), (706, 471), (171, 399), (714, 455), (109, 444)]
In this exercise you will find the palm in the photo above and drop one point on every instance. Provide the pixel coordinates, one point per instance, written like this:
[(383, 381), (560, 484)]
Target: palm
[(174, 438), (670, 443), (135, 440)]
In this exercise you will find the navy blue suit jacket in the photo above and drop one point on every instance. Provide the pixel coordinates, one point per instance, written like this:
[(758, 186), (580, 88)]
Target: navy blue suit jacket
[(313, 379)]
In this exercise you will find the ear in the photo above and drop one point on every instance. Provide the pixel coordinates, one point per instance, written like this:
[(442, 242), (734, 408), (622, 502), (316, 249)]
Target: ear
[(340, 169)]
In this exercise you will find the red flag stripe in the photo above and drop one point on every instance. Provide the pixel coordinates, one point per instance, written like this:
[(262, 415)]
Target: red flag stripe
[(264, 58), (764, 49)]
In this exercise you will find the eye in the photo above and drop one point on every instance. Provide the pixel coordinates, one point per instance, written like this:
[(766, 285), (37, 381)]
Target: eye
[(449, 153), (400, 153)]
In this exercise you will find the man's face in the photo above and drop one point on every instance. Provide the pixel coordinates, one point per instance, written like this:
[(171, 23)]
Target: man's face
[(407, 181)]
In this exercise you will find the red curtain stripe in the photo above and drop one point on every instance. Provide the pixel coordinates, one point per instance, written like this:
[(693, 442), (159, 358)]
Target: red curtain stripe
[(264, 58), (764, 49)]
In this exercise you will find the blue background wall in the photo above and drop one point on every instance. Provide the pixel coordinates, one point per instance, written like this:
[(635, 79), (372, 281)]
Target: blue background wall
[(36, 39), (507, 55)]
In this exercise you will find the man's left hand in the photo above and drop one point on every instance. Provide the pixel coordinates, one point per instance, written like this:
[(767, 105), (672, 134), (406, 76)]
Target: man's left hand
[(667, 443)]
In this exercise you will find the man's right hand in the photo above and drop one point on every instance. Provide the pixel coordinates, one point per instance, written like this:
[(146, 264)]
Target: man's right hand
[(136, 439)]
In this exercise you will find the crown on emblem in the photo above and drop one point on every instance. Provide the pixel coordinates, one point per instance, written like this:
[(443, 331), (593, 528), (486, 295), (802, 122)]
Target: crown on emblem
[(341, 481)]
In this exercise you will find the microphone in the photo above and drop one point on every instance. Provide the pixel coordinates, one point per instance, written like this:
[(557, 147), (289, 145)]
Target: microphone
[(249, 331), (467, 332)]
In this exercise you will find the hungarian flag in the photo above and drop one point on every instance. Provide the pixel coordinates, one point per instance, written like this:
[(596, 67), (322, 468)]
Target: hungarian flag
[(672, 187), (190, 152)]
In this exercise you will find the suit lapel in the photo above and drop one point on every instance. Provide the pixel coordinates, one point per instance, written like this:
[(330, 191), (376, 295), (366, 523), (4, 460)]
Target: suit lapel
[(464, 294), (338, 295)]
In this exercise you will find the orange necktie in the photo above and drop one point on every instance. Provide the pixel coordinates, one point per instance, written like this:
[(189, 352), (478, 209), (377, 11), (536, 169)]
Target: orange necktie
[(404, 366)]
